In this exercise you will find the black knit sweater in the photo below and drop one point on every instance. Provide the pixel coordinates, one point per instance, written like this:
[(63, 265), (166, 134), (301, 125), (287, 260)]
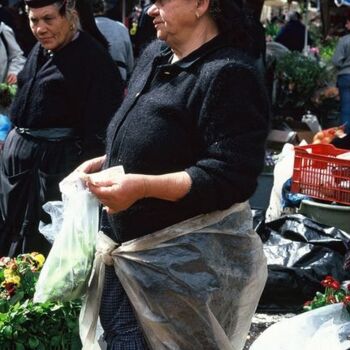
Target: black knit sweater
[(77, 87), (206, 114)]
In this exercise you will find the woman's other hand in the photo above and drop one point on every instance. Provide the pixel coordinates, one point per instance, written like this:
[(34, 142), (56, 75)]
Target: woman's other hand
[(92, 165)]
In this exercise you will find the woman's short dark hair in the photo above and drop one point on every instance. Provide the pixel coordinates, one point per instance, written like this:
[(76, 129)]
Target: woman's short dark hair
[(224, 11), (232, 20)]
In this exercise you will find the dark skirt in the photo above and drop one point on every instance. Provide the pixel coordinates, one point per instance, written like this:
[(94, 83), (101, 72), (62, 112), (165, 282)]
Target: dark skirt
[(122, 330), (30, 171)]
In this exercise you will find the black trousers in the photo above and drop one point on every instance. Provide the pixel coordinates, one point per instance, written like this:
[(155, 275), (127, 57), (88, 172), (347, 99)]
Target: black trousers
[(30, 171)]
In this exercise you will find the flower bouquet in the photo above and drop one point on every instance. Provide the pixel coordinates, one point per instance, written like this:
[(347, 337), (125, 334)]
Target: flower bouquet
[(334, 293), (28, 325)]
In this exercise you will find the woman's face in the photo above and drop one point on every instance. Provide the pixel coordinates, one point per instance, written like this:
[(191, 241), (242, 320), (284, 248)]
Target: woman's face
[(52, 30), (174, 20)]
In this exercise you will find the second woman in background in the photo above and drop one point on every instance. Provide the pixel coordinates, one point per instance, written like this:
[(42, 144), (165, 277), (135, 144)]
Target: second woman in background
[(67, 93)]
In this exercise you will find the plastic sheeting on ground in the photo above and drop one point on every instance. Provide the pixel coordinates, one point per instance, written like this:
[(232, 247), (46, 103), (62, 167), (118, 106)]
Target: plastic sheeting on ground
[(300, 253), (325, 328)]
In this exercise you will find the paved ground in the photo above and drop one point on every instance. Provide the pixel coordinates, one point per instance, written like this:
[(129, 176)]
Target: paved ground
[(261, 322)]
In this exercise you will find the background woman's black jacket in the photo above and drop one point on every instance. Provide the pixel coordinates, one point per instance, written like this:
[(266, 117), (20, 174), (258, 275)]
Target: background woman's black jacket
[(75, 88), (78, 88)]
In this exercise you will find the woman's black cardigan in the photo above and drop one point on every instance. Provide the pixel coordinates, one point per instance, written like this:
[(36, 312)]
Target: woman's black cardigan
[(207, 114)]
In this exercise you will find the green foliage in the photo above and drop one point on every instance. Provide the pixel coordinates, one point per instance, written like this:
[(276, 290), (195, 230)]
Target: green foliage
[(40, 326), (271, 29), (7, 93), (315, 34), (28, 325), (298, 77), (327, 49)]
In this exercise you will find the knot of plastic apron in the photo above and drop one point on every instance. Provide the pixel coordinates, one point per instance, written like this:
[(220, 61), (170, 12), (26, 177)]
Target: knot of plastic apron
[(104, 248), (107, 259)]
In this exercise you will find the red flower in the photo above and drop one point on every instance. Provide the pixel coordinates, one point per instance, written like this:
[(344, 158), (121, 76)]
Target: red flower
[(346, 299), (335, 285), (348, 287), (10, 288), (330, 282), (326, 283), (307, 303)]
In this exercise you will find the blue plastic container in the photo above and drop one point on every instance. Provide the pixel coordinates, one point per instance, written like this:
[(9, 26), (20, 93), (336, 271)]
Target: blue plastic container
[(5, 126)]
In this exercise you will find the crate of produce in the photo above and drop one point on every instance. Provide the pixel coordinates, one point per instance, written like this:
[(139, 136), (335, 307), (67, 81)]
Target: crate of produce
[(322, 171)]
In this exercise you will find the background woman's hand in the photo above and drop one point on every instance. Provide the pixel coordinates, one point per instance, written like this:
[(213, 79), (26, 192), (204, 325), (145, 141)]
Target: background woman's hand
[(116, 191), (11, 79)]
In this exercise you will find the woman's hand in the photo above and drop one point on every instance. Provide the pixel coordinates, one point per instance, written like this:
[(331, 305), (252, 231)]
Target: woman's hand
[(116, 191), (91, 165)]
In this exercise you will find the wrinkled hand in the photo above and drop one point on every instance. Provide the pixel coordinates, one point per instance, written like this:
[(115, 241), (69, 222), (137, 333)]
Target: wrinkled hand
[(11, 79), (116, 191)]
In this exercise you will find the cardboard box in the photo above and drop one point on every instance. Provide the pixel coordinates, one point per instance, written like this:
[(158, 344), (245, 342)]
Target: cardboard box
[(277, 138), (305, 135), (302, 129), (296, 125)]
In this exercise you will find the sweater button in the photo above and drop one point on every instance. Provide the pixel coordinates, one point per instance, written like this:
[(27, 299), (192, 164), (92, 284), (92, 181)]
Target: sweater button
[(138, 94)]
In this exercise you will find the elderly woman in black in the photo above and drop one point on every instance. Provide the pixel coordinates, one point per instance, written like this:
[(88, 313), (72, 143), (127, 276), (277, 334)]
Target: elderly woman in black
[(67, 93), (190, 135)]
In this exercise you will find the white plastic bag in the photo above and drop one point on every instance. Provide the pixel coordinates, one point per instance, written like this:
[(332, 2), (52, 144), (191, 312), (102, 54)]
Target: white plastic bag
[(311, 121), (66, 271), (55, 210), (282, 172), (324, 328)]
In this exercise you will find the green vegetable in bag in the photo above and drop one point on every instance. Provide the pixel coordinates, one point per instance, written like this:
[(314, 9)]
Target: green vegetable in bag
[(66, 272)]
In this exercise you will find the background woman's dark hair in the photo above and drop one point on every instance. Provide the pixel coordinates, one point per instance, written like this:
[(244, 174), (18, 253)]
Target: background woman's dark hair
[(98, 7), (233, 21)]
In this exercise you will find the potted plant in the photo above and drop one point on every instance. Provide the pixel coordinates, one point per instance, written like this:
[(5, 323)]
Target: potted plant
[(298, 77)]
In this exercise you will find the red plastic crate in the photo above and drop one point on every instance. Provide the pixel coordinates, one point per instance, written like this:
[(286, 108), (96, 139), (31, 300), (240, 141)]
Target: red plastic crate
[(319, 174)]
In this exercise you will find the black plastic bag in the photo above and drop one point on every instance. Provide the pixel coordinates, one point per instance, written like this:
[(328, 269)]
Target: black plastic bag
[(300, 253), (258, 217)]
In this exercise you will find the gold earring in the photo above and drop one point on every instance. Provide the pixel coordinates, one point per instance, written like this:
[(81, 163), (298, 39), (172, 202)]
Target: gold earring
[(197, 15), (71, 27)]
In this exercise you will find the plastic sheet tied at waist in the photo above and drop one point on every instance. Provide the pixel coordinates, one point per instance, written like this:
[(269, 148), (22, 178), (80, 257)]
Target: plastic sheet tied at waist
[(194, 285)]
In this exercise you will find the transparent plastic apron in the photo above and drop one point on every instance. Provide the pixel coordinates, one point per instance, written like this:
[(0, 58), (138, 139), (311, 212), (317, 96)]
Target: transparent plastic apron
[(194, 285)]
